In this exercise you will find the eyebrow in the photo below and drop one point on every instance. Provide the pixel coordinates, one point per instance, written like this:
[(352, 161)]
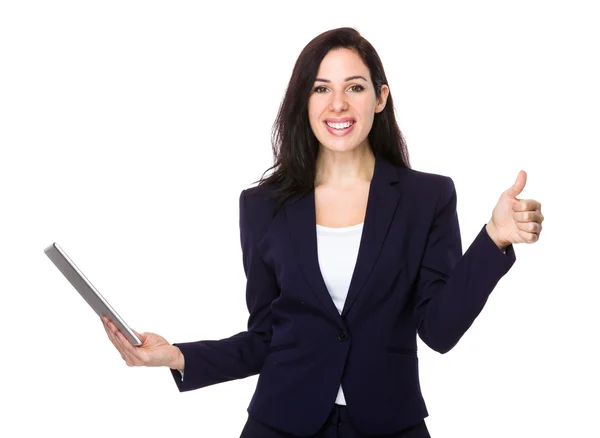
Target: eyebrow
[(349, 78)]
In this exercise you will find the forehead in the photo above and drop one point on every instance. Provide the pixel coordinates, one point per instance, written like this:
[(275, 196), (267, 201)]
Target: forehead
[(341, 63)]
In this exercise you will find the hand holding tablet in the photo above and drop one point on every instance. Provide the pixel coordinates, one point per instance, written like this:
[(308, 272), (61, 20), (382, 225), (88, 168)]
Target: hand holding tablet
[(146, 349), (155, 351)]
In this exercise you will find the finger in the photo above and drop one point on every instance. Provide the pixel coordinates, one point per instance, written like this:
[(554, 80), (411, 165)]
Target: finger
[(128, 352), (519, 184), (117, 341), (528, 216), (526, 204), (529, 232), (127, 345), (530, 227), (131, 358), (529, 237), (109, 333), (134, 355)]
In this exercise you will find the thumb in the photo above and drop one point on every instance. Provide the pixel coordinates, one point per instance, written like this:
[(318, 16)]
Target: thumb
[(519, 184)]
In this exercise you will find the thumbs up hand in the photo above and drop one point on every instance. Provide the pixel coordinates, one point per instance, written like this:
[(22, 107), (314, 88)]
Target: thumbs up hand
[(515, 220)]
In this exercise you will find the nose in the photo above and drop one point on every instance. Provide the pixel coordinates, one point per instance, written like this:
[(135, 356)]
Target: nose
[(338, 102)]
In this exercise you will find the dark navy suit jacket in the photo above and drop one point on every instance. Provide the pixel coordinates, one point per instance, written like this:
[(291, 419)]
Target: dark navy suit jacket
[(411, 278)]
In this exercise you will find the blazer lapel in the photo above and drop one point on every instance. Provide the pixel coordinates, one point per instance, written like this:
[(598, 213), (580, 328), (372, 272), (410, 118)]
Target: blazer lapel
[(382, 202), (302, 219), (381, 205)]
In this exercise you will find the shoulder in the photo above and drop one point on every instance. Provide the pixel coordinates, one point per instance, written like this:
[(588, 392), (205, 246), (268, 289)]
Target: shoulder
[(429, 184), (257, 206), (258, 198)]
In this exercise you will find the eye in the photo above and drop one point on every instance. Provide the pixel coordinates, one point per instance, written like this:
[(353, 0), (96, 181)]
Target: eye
[(316, 89)]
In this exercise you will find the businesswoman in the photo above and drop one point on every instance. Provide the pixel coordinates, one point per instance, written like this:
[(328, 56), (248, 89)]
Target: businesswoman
[(349, 254)]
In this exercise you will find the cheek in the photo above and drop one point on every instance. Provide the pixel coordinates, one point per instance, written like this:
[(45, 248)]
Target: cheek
[(367, 112), (314, 113), (366, 108), (312, 119)]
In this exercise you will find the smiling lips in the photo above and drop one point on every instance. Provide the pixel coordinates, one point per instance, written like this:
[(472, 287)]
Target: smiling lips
[(340, 127)]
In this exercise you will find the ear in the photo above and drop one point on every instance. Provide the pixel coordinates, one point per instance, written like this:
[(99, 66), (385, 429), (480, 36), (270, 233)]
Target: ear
[(382, 100)]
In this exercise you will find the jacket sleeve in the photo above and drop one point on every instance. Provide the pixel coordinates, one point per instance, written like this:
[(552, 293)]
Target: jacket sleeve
[(452, 288), (241, 355)]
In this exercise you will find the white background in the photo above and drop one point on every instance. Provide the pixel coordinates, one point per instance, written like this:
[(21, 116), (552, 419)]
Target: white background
[(128, 130)]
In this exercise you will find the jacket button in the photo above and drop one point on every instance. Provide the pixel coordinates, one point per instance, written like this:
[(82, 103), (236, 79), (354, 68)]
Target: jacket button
[(342, 335)]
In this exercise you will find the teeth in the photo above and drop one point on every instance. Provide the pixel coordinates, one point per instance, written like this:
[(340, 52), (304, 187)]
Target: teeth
[(340, 125)]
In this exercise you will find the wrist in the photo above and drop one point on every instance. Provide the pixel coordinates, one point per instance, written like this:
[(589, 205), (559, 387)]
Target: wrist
[(178, 361), (491, 230)]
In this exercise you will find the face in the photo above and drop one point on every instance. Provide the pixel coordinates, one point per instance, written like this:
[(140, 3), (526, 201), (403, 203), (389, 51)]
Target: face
[(344, 96)]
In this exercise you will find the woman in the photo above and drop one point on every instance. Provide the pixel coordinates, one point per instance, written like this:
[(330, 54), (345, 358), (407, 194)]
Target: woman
[(348, 254)]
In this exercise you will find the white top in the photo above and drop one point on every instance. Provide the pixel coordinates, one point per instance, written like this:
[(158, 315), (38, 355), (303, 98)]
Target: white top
[(337, 252)]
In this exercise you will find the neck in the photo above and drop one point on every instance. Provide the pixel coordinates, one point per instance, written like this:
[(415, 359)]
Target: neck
[(344, 169)]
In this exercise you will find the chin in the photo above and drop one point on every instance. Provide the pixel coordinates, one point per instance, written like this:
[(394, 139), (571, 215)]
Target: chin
[(338, 147)]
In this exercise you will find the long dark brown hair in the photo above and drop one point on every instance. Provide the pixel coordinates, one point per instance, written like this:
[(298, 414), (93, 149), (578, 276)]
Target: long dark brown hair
[(294, 144)]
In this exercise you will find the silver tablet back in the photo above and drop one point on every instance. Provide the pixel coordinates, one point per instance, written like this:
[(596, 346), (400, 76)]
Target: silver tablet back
[(88, 291)]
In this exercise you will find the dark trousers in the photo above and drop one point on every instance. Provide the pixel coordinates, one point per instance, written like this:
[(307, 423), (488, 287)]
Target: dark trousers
[(337, 426)]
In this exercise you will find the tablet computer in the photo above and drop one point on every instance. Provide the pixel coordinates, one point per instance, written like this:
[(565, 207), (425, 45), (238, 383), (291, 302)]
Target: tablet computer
[(88, 291)]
